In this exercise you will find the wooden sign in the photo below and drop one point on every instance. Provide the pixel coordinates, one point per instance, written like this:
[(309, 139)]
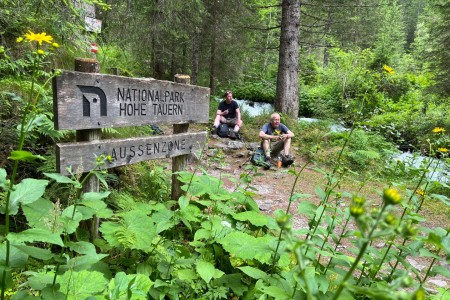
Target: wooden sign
[(92, 100), (82, 156)]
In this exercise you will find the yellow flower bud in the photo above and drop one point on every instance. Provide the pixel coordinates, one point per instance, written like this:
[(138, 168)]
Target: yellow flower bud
[(356, 211), (391, 196), (55, 45), (40, 52), (20, 39), (359, 200)]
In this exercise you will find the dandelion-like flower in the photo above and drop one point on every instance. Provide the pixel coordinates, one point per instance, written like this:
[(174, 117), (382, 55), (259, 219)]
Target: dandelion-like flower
[(420, 192), (443, 150), (388, 69), (438, 130), (38, 37)]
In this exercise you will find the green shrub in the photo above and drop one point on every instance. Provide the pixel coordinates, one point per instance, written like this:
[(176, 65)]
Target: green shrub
[(255, 90)]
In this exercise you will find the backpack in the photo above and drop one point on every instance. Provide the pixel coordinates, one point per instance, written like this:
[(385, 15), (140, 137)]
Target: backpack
[(223, 130), (259, 158)]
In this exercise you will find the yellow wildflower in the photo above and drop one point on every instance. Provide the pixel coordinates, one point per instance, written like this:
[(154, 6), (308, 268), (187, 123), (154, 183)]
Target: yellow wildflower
[(388, 69), (38, 37), (420, 192), (40, 52), (19, 39), (391, 196), (438, 130), (443, 150)]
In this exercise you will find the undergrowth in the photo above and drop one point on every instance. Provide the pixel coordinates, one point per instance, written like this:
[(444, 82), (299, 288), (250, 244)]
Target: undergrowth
[(212, 242)]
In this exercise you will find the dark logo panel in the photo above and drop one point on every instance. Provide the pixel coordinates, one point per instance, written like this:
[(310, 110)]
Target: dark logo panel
[(93, 96)]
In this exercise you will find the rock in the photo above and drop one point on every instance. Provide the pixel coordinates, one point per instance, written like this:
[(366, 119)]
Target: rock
[(253, 146), (439, 283), (415, 264), (265, 206)]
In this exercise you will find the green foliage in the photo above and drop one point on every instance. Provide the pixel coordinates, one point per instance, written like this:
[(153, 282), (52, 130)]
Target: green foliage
[(213, 242), (252, 89), (147, 181)]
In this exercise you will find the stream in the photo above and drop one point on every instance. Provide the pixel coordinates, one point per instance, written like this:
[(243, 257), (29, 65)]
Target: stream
[(437, 170)]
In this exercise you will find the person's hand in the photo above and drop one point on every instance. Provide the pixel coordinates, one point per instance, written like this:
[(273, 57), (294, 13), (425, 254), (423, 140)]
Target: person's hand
[(225, 112)]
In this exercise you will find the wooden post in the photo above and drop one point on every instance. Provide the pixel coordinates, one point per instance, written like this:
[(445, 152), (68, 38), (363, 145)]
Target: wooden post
[(179, 163), (89, 65)]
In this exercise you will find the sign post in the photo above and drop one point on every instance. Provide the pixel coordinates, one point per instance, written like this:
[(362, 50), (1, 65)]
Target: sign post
[(92, 184)]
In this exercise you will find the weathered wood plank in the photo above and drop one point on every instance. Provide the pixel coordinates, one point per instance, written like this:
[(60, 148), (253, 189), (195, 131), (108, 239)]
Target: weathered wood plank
[(82, 156), (88, 101)]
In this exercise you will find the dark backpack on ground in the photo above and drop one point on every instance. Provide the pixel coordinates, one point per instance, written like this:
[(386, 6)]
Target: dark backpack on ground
[(223, 130), (259, 159)]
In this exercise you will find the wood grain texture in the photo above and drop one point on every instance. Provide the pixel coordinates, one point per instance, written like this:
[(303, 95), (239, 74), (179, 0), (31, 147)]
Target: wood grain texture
[(91, 100), (82, 156)]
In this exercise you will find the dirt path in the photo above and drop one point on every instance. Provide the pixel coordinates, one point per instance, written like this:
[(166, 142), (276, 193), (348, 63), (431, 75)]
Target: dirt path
[(274, 187)]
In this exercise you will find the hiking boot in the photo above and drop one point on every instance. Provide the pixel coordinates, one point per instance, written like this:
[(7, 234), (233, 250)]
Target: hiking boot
[(287, 160), (238, 135), (233, 135), (267, 163)]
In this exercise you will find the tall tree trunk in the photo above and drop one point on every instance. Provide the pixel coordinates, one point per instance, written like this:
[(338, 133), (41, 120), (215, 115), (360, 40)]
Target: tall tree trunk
[(195, 56), (212, 63), (287, 82), (328, 45)]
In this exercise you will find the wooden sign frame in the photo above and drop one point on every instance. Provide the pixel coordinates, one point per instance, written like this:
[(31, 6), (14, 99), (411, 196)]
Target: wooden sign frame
[(92, 101), (82, 156)]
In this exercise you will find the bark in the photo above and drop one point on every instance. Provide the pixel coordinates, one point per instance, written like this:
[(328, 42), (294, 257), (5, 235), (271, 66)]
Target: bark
[(195, 56), (287, 82)]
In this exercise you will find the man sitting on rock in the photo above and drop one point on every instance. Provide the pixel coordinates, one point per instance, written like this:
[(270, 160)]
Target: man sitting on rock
[(276, 137), (229, 113)]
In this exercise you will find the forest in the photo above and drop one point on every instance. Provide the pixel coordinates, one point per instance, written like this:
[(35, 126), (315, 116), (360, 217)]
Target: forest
[(380, 69)]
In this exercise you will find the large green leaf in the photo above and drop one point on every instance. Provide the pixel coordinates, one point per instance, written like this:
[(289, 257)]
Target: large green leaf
[(206, 270), (38, 281), (47, 215), (26, 192), (22, 155), (307, 208), (39, 213), (163, 219), (89, 257), (35, 235), (253, 272), (95, 202), (135, 230), (63, 179), (81, 285), (186, 274), (39, 253), (245, 246), (275, 292), (132, 286), (17, 258), (3, 181), (255, 218)]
